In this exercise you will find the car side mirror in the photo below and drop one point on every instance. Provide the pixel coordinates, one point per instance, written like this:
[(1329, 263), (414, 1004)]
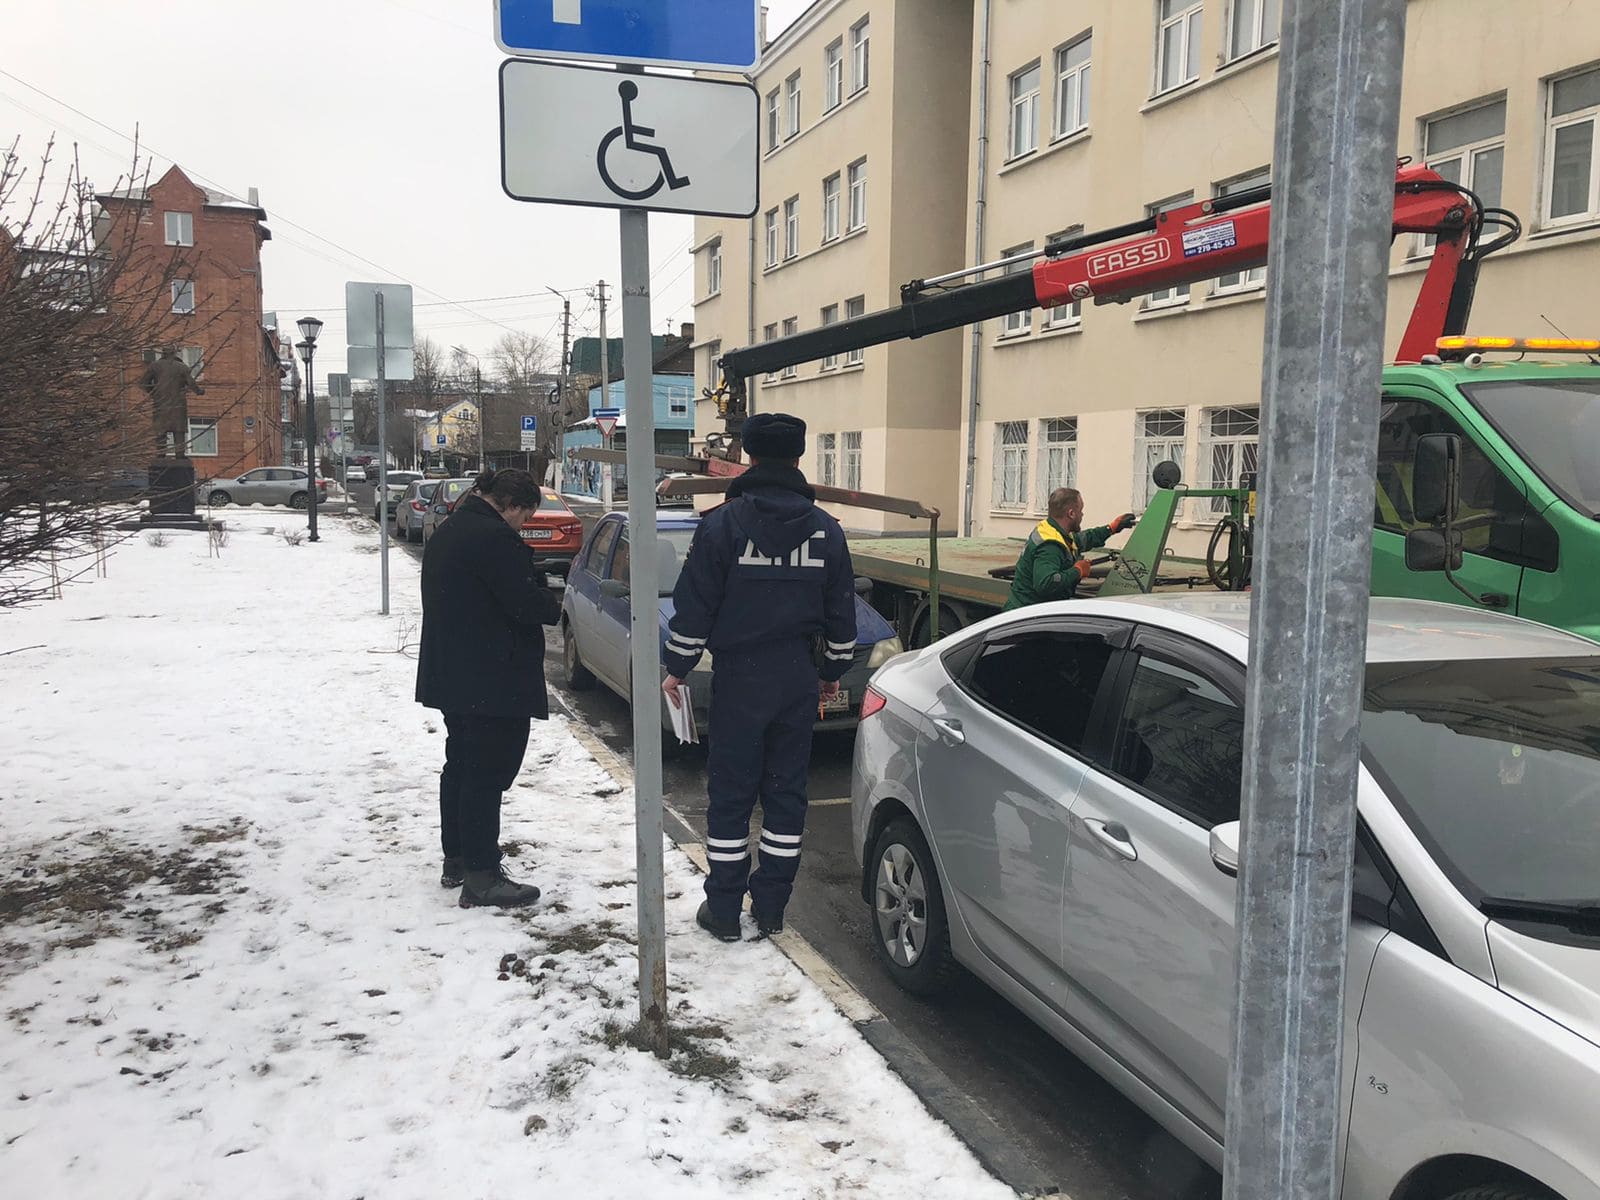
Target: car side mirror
[(613, 589), (863, 586), (440, 509), (1436, 477), (1433, 550), (1225, 847)]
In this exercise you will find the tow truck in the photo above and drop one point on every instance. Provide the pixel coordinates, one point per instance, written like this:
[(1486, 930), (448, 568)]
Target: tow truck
[(1488, 478)]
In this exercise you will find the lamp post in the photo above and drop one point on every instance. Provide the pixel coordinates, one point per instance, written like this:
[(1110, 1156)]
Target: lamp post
[(477, 384), (310, 327)]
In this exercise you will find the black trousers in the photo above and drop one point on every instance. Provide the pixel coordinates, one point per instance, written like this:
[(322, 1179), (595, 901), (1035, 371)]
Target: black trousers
[(482, 756)]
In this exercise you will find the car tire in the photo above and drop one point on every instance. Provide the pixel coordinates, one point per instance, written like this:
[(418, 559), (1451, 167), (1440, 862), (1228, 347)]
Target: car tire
[(219, 497), (579, 677), (299, 500), (901, 860)]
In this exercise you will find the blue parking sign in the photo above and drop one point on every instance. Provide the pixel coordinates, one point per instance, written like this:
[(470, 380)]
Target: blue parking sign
[(679, 33), (530, 424)]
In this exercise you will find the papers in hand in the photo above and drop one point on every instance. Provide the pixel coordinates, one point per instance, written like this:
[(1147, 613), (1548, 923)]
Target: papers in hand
[(683, 716)]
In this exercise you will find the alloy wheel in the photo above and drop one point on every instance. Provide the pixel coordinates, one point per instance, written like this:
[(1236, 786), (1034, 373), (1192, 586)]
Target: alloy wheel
[(900, 903)]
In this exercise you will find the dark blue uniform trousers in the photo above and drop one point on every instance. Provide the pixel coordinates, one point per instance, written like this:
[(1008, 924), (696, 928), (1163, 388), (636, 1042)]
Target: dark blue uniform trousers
[(763, 706)]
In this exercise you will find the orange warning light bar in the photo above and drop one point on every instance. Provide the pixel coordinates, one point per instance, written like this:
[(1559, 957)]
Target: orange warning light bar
[(1543, 345)]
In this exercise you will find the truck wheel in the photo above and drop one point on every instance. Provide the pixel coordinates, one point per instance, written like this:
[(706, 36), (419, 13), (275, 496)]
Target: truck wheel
[(910, 931), (949, 622), (579, 677)]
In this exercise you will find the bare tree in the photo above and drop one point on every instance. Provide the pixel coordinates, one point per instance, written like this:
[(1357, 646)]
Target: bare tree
[(523, 366)]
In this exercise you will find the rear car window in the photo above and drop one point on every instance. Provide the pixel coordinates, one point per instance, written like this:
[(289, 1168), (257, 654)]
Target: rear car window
[(552, 503), (1044, 680)]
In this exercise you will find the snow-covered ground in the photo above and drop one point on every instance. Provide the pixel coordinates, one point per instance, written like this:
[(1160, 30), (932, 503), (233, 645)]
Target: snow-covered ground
[(227, 968)]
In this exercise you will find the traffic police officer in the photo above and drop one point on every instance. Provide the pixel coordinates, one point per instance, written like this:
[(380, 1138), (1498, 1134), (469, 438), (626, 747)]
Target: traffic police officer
[(768, 589)]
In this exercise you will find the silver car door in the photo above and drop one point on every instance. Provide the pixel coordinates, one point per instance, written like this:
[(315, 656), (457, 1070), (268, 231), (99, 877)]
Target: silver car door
[(1000, 755)]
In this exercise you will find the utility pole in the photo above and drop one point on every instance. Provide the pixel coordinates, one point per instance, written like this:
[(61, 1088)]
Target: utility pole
[(477, 385), (561, 393), (605, 396)]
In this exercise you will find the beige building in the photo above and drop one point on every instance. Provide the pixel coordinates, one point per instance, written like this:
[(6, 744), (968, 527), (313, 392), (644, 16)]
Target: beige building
[(865, 104)]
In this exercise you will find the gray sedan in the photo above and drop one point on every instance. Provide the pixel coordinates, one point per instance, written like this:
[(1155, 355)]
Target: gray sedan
[(411, 508), (264, 485), (1051, 799)]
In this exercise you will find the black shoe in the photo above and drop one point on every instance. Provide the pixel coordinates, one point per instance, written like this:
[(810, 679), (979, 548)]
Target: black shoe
[(723, 931), (491, 889), (767, 926), (453, 873)]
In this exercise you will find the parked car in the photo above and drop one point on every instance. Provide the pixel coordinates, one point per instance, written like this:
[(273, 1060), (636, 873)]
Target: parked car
[(596, 610), (398, 482), (264, 485), (442, 503), (1051, 799), (411, 507), (553, 533), (354, 473)]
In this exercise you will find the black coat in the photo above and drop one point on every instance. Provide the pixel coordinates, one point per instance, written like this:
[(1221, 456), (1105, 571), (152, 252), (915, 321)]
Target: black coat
[(483, 604)]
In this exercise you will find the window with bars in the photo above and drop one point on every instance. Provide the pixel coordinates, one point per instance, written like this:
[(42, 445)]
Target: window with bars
[(1072, 87), (833, 75), (1177, 42), (1058, 457), (856, 306), (791, 227), (1024, 134), (830, 316), (1252, 24), (1572, 166), (1010, 492), (1064, 316), (791, 326), (1014, 324), (772, 237), (852, 461), (1241, 281), (830, 208), (1159, 436), (858, 194), (828, 459), (1469, 148), (860, 56), (1169, 297), (1232, 447)]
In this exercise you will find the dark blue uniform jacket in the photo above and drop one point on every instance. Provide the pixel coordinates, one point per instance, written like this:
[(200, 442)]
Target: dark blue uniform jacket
[(767, 567)]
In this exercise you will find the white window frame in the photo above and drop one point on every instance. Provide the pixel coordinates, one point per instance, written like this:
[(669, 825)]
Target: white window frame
[(828, 459), (1258, 35), (1022, 125), (1189, 17), (791, 326), (1058, 457), (182, 288), (791, 100), (1064, 316), (831, 199), (1242, 449), (830, 316), (774, 122), (1553, 125), (184, 235), (854, 307), (1464, 155), (713, 352), (1172, 297), (857, 177), (772, 237), (1009, 487), (851, 461), (833, 75), (714, 268), (1072, 88), (769, 333), (1017, 324), (791, 228), (1239, 283), (203, 433), (1157, 446), (860, 54)]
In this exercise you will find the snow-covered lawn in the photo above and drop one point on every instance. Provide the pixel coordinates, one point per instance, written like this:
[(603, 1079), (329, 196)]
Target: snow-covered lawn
[(227, 968)]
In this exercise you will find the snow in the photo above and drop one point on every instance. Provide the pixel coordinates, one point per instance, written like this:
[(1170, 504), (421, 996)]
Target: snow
[(227, 968)]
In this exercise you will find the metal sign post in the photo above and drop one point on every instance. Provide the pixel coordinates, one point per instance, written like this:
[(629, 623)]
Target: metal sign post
[(1333, 198), (383, 449), (378, 332)]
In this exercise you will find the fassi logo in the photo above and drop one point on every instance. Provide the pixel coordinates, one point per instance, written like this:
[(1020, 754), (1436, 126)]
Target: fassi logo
[(1123, 258)]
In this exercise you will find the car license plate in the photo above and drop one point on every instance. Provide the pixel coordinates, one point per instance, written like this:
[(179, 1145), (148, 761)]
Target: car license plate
[(538, 535), (833, 705)]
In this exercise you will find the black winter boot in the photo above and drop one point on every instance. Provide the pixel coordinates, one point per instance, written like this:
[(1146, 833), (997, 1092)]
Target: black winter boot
[(491, 889), (766, 926), (453, 873), (723, 931)]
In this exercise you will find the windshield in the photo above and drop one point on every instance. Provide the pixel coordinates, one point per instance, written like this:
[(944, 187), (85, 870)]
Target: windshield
[(1496, 767), (674, 548), (1555, 425)]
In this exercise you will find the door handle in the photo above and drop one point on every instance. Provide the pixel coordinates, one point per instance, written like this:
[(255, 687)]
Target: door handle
[(949, 729), (1115, 835)]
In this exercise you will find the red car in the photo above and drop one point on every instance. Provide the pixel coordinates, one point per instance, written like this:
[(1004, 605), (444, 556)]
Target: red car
[(552, 532)]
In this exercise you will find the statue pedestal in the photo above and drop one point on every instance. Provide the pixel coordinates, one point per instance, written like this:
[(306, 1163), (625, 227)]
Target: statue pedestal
[(171, 498)]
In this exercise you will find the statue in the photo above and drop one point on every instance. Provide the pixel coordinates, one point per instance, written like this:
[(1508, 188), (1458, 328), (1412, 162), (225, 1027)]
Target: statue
[(166, 381)]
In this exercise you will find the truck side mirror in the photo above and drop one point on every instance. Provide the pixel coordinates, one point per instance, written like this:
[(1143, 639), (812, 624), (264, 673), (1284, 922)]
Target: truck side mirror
[(1436, 478), (1426, 550)]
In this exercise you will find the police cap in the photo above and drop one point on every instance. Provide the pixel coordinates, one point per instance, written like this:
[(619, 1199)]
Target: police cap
[(775, 435)]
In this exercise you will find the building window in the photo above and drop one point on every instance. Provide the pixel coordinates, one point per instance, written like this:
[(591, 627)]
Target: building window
[(833, 74), (1024, 138), (1011, 465), (772, 237), (714, 268), (791, 326), (1064, 315), (1251, 25), (859, 58), (1255, 277), (1072, 87), (858, 195), (202, 438), (1169, 297), (774, 130), (180, 229), (1159, 435), (827, 459), (713, 369), (830, 208), (183, 295), (1015, 323), (678, 400), (791, 227), (769, 334), (1058, 456), (1572, 170), (1177, 43), (830, 316), (191, 357), (855, 307), (1232, 448), (791, 91), (852, 462), (1468, 148)]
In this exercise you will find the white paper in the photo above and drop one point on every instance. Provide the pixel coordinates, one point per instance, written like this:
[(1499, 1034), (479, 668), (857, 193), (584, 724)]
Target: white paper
[(683, 716)]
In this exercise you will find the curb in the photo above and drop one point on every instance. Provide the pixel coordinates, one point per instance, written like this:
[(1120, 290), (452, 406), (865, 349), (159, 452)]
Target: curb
[(1000, 1156)]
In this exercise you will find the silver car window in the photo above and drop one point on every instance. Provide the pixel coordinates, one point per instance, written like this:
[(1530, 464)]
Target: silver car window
[(1181, 739), (1045, 680)]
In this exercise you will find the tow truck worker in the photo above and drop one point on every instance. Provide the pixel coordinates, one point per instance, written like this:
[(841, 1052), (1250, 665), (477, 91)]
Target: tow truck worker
[(1052, 564), (767, 581)]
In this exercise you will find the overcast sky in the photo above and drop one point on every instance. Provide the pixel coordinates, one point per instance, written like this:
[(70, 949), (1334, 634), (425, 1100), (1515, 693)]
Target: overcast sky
[(371, 128)]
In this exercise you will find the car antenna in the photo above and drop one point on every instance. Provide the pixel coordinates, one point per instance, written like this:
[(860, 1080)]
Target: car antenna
[(1563, 333)]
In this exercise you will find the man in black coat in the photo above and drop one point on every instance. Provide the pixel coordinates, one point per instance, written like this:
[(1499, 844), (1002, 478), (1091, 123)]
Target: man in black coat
[(482, 665)]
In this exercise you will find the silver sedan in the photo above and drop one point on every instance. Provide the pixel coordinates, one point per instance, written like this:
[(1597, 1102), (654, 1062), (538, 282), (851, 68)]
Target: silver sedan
[(1050, 798)]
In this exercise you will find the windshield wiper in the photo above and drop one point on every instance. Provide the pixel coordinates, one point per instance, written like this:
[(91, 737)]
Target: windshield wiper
[(1579, 916)]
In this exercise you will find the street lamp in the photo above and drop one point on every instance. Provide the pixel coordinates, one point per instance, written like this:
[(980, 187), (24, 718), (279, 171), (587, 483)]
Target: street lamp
[(310, 327), (477, 375)]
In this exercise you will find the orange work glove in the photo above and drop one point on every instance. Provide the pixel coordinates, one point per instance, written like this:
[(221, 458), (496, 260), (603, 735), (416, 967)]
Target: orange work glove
[(1125, 521), (1082, 567)]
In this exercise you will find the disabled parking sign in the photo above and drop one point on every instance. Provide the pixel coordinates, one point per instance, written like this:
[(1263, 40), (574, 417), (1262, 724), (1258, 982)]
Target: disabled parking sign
[(574, 134)]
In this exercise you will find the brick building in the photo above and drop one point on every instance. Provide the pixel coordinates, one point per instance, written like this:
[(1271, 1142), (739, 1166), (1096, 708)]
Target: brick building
[(201, 250)]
